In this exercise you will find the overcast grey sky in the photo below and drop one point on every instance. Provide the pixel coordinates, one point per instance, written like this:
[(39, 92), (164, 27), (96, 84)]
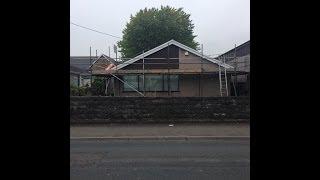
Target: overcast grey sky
[(219, 24)]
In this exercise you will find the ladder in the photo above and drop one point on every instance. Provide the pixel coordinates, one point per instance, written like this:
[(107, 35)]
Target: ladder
[(223, 80)]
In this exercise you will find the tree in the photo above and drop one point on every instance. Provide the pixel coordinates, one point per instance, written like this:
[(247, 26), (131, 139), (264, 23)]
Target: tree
[(151, 27)]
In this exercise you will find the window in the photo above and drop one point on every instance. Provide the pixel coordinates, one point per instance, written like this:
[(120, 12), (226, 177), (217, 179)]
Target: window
[(165, 82), (174, 82), (140, 82), (152, 82), (132, 81)]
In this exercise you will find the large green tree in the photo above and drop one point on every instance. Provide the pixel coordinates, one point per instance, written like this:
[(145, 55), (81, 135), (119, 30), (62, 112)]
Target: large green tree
[(151, 27)]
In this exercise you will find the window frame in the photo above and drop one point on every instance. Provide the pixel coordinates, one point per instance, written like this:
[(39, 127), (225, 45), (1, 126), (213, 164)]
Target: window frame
[(163, 84), (177, 82), (130, 89)]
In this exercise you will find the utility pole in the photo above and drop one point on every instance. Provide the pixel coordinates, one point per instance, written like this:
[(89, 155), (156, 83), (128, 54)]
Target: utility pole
[(109, 51), (96, 53)]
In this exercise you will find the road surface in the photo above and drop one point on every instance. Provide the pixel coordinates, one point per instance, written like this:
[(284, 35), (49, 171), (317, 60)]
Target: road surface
[(183, 129), (223, 159)]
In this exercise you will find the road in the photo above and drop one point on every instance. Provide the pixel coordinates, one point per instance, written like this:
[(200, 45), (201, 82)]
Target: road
[(182, 129), (223, 159)]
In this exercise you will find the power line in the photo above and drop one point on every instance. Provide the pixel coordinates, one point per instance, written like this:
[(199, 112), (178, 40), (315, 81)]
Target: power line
[(94, 30)]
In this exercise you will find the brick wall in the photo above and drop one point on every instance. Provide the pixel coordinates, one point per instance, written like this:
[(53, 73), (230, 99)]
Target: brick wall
[(158, 109)]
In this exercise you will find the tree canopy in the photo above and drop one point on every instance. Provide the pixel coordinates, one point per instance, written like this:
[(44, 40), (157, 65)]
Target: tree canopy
[(151, 27)]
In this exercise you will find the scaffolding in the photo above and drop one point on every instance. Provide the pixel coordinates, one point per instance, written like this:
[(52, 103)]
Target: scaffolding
[(145, 68), (222, 72)]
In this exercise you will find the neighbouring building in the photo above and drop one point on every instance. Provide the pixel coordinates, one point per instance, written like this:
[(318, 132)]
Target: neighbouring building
[(76, 75), (104, 62), (171, 69), (239, 58), (80, 74)]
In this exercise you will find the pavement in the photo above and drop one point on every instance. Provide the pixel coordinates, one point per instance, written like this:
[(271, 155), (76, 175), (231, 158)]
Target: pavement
[(161, 131), (223, 159)]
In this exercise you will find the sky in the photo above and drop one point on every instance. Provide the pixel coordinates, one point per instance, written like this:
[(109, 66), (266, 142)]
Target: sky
[(219, 24)]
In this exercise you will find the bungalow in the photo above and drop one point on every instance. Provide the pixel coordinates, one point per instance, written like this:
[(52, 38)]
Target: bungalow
[(170, 69)]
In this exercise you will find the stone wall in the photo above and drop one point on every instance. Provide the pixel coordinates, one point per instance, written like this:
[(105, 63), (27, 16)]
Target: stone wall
[(158, 109)]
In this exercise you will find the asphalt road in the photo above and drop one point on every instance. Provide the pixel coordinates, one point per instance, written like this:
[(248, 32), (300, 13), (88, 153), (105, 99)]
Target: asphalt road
[(156, 159)]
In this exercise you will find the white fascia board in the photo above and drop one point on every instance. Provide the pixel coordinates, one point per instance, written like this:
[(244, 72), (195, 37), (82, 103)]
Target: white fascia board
[(158, 48)]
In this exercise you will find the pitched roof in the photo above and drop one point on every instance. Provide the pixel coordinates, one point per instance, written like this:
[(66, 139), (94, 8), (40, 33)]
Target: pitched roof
[(76, 70), (242, 50), (111, 60), (164, 45), (81, 62)]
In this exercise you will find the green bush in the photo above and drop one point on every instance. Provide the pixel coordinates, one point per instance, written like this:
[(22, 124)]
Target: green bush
[(73, 90), (79, 91), (98, 87)]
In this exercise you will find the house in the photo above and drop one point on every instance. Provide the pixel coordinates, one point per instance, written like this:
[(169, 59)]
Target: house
[(76, 75), (104, 62), (80, 74), (170, 69), (239, 58)]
